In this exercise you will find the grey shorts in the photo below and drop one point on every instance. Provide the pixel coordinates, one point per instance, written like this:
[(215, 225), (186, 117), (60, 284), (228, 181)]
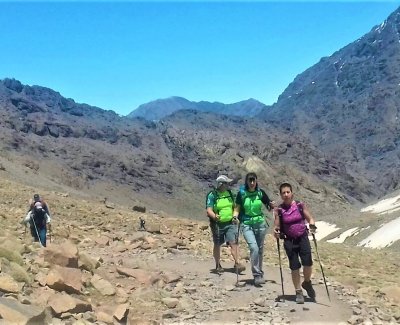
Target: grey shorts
[(224, 232)]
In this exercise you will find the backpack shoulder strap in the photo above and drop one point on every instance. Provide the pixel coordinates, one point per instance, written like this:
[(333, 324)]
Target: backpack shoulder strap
[(208, 194), (280, 218), (231, 195), (232, 198), (300, 208)]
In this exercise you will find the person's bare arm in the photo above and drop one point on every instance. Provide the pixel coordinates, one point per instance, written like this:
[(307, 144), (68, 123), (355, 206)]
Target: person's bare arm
[(309, 218), (212, 214)]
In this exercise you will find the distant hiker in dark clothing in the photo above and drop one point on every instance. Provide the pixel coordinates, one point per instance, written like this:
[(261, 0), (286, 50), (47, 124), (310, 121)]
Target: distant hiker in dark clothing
[(39, 219), (142, 224), (290, 224), (219, 206), (37, 198), (249, 203)]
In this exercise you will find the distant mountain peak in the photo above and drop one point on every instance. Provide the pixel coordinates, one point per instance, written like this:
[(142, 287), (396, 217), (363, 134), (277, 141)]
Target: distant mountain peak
[(157, 109)]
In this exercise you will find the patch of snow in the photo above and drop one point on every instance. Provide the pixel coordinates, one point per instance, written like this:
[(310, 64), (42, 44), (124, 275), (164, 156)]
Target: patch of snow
[(324, 229), (342, 237), (384, 236), (387, 205)]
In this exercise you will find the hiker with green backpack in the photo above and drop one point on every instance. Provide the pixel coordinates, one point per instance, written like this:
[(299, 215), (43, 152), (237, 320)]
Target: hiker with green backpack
[(253, 224), (220, 203)]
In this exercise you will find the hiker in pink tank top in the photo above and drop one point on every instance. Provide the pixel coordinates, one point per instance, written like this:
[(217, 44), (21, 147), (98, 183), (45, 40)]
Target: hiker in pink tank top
[(290, 225)]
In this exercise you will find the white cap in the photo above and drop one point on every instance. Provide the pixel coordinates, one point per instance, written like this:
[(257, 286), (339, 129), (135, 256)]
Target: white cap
[(38, 205), (223, 179)]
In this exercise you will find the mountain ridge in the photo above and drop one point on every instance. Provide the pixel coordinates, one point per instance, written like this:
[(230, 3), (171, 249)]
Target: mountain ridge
[(160, 108)]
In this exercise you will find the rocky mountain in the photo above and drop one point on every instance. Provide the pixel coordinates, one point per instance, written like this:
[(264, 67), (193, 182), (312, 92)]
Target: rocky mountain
[(348, 105), (158, 109), (50, 142)]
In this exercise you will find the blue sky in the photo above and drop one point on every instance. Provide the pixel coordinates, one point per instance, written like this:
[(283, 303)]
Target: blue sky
[(120, 55)]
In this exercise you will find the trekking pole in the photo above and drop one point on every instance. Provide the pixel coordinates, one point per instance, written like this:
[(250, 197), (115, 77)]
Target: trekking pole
[(37, 233), (319, 260), (219, 247), (280, 267), (50, 233)]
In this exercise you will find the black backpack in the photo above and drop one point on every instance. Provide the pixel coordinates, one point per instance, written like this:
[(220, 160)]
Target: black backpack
[(39, 217)]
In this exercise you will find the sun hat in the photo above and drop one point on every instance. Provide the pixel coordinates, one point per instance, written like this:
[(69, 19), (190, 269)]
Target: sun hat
[(223, 179)]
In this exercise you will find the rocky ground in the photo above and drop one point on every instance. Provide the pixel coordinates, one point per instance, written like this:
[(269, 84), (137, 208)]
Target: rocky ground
[(99, 268)]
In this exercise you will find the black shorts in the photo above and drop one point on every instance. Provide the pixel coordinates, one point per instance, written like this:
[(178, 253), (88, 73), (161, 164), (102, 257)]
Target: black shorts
[(299, 247)]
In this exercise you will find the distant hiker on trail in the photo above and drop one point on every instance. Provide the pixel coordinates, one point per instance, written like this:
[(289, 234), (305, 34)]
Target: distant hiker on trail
[(290, 218), (219, 204), (142, 223), (249, 202), (38, 218), (37, 198)]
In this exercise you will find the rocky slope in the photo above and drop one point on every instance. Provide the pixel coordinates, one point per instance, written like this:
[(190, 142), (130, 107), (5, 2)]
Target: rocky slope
[(348, 106), (99, 269)]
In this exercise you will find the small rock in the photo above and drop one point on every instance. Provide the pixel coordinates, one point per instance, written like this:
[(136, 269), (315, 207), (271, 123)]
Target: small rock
[(259, 302), (170, 302)]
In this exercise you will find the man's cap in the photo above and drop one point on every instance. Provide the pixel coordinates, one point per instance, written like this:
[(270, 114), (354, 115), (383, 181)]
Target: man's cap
[(223, 179), (36, 197)]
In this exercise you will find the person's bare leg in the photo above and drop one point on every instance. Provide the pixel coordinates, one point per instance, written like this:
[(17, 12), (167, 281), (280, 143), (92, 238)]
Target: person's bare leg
[(296, 279), (307, 271), (235, 252)]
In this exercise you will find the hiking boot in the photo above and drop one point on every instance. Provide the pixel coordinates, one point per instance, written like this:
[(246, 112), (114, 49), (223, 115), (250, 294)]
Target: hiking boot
[(258, 281), (239, 267), (263, 280), (219, 269), (299, 297), (306, 285)]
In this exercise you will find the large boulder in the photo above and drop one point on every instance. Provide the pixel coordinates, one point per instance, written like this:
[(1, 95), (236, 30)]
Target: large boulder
[(65, 279), (13, 312), (102, 285), (65, 254), (87, 262), (62, 303), (8, 284)]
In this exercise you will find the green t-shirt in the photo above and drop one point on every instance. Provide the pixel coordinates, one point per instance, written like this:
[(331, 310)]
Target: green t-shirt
[(222, 204), (251, 204)]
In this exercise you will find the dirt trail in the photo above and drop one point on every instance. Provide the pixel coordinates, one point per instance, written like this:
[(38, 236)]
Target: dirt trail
[(224, 302)]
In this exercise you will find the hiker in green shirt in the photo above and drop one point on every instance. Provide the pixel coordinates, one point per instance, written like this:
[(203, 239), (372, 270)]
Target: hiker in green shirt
[(249, 203), (219, 205)]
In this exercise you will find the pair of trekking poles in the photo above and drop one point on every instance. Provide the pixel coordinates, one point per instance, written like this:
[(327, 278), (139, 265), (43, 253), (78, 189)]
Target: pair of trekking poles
[(37, 232), (319, 260)]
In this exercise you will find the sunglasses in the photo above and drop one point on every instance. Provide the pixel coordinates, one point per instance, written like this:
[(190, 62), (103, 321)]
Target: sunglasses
[(252, 179)]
